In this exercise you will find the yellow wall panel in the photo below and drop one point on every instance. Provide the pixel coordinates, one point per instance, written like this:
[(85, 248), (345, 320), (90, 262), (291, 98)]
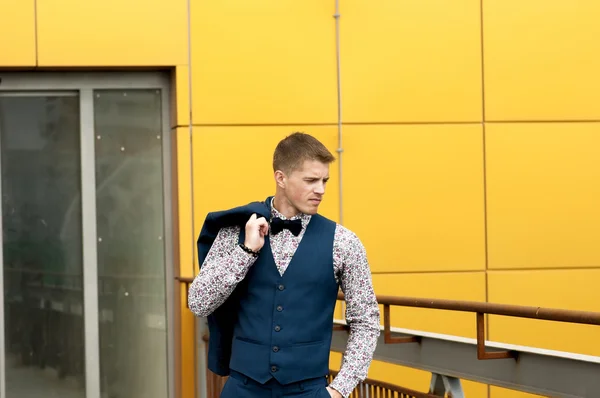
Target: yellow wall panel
[(263, 62), (456, 286), (473, 389), (498, 392), (335, 359), (183, 185), (234, 166), (411, 60), (186, 253), (180, 97), (414, 195), (17, 33), (112, 32), (543, 195), (567, 289), (339, 312), (541, 59)]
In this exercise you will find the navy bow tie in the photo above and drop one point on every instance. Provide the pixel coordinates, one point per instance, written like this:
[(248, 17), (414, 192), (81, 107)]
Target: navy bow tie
[(278, 225)]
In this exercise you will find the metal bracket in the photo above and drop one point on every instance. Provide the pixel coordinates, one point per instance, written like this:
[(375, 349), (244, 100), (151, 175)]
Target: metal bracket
[(481, 352), (387, 332), (446, 386)]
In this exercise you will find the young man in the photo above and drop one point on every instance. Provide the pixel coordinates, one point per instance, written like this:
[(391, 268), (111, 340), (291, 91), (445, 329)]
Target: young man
[(273, 270)]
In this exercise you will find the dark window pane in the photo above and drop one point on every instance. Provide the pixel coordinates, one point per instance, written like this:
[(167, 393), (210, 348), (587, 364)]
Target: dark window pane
[(41, 212)]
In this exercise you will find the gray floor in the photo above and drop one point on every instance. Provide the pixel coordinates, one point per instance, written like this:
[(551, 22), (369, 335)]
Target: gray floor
[(31, 382)]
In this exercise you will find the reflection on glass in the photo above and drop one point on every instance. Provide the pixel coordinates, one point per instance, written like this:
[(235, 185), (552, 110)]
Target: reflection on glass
[(131, 253), (41, 193)]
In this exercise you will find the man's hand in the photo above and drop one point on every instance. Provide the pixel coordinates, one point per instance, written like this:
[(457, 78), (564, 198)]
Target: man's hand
[(334, 393), (256, 229)]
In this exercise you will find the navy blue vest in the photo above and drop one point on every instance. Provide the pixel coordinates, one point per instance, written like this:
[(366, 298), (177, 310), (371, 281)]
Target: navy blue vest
[(284, 324), (272, 325)]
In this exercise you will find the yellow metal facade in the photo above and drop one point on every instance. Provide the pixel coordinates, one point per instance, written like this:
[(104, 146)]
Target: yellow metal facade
[(470, 139)]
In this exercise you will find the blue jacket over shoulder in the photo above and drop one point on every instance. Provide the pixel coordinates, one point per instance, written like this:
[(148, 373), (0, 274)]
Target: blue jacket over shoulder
[(222, 321)]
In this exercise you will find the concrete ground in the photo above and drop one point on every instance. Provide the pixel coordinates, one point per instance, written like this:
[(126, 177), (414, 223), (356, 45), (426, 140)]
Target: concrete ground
[(33, 382)]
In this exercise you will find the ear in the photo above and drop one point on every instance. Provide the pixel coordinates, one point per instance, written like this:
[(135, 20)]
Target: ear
[(280, 179)]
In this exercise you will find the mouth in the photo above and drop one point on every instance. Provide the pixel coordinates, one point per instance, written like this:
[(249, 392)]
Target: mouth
[(315, 201)]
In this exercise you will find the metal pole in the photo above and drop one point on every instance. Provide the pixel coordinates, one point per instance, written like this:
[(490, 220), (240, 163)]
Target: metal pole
[(442, 385), (90, 253), (2, 312), (339, 106)]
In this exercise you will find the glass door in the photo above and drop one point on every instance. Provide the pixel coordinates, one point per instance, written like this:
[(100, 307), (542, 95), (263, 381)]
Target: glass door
[(86, 252)]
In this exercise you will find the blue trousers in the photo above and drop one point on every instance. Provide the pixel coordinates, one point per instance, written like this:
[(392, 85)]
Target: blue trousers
[(240, 386)]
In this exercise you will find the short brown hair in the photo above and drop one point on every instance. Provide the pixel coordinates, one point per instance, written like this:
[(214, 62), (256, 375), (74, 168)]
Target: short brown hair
[(293, 150)]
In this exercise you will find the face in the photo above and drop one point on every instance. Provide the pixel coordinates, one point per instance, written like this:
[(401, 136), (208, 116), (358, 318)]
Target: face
[(303, 189)]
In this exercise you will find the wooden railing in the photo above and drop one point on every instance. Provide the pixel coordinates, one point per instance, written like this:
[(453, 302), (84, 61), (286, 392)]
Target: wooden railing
[(377, 389), (450, 358)]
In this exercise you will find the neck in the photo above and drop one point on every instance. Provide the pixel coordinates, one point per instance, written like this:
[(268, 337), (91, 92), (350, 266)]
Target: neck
[(282, 205)]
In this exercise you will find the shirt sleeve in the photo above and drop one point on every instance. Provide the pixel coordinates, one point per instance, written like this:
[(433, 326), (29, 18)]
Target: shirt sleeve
[(225, 265), (362, 310)]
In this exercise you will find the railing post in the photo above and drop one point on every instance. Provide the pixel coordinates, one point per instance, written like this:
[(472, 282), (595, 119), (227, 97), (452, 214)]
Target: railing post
[(201, 360), (481, 352), (387, 330), (442, 385)]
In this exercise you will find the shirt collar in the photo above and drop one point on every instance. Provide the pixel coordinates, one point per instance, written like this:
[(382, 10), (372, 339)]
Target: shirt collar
[(305, 218)]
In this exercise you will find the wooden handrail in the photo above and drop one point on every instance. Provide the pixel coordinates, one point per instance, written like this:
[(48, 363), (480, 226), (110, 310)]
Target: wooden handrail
[(478, 308), (548, 314)]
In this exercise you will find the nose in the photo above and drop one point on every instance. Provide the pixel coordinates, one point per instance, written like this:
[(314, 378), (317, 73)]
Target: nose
[(320, 188)]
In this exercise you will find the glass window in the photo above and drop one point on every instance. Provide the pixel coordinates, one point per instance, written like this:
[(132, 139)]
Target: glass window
[(131, 251), (42, 269)]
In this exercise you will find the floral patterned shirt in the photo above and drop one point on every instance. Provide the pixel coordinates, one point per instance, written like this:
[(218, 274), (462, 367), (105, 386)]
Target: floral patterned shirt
[(226, 265)]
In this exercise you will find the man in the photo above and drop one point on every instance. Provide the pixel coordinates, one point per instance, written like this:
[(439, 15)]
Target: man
[(285, 268)]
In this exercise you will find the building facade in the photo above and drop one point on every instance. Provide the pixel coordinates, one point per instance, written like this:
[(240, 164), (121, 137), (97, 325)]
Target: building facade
[(468, 131)]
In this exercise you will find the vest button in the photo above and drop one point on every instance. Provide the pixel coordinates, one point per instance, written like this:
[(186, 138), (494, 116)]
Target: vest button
[(275, 349), (279, 308), (281, 287), (277, 328), (273, 368)]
